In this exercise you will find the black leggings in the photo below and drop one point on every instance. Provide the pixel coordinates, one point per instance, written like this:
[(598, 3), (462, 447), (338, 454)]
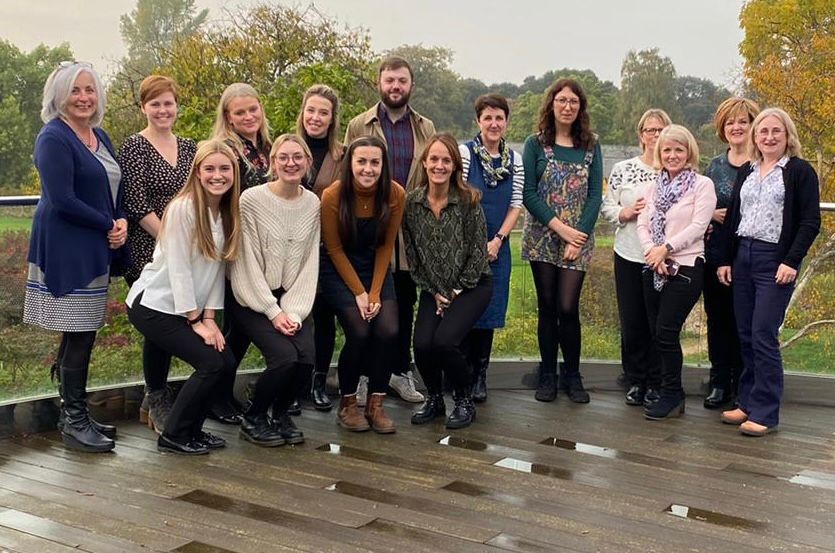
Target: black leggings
[(368, 349), (156, 363), (558, 303), (479, 345), (324, 333), (75, 350), (439, 340), (406, 292)]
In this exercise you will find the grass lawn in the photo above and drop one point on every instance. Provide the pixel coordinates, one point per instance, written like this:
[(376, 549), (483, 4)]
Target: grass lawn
[(14, 223)]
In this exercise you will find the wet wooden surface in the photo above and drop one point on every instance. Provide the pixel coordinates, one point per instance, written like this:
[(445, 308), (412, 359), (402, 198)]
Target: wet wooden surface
[(526, 477)]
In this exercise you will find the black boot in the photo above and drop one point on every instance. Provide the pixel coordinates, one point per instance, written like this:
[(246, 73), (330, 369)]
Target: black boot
[(716, 398), (671, 404), (288, 430), (574, 388), (260, 430), (319, 393), (463, 414), (107, 429), (480, 380), (78, 431), (546, 390), (431, 409)]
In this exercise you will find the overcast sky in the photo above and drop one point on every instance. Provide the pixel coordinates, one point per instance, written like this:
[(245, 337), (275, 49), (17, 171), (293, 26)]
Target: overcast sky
[(493, 40)]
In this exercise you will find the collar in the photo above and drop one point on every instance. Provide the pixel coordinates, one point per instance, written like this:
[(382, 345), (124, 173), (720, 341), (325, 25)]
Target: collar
[(781, 163), (374, 113), (452, 199)]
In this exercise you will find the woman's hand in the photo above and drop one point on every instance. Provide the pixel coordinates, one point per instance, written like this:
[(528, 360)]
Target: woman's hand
[(117, 235), (284, 324), (493, 247), (723, 273), (631, 213), (211, 334), (785, 274), (571, 253), (568, 234), (655, 257), (719, 215), (363, 305), (441, 303)]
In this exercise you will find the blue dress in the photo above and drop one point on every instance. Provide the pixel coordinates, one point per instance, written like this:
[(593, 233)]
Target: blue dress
[(495, 201)]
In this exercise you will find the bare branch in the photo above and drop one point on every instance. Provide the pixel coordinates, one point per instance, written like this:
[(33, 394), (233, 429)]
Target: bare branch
[(805, 330)]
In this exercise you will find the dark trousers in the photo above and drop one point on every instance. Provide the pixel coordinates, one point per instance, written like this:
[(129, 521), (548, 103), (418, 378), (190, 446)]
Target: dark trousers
[(75, 350), (760, 306), (156, 362), (287, 358), (406, 292), (638, 354), (171, 333), (439, 339), (667, 310), (369, 348), (722, 338), (324, 333), (479, 345)]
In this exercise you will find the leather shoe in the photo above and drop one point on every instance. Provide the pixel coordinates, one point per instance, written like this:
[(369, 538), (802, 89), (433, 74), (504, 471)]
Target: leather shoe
[(431, 409), (670, 405), (260, 430), (651, 397), (319, 393), (635, 395), (546, 390), (192, 447), (210, 440), (734, 416), (575, 390), (463, 414), (716, 398), (288, 430), (756, 430), (295, 409), (224, 413)]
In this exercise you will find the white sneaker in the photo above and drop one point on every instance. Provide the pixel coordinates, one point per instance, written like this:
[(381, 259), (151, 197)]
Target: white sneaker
[(362, 391), (404, 385)]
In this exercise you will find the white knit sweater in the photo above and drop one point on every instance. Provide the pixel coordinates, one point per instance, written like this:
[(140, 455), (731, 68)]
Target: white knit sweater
[(280, 250)]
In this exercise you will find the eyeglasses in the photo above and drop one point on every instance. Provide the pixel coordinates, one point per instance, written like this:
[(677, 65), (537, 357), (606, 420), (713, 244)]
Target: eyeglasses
[(653, 130), (284, 159), (769, 132), (70, 63), (562, 102)]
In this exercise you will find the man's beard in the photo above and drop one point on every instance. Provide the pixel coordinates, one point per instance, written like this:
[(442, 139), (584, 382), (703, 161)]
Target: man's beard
[(404, 99)]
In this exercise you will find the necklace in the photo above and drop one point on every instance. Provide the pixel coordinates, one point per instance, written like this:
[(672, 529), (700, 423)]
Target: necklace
[(90, 136)]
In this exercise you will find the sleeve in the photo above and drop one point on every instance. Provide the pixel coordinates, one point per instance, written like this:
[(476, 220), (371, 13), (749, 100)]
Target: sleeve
[(248, 281), (56, 168), (177, 245), (533, 203), (333, 242), (518, 181), (465, 161), (134, 179), (476, 260), (217, 293), (611, 202), (384, 250), (352, 131), (807, 213), (703, 208), (642, 228), (410, 231), (724, 241), (591, 209), (297, 302)]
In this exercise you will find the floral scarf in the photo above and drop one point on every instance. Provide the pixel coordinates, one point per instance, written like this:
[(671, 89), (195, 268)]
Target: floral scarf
[(492, 175), (667, 193)]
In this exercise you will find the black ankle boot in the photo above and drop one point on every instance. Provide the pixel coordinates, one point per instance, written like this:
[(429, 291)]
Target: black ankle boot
[(480, 381), (651, 397), (288, 430), (78, 432), (546, 390), (463, 414), (295, 408), (670, 405), (716, 398), (319, 393), (431, 409), (107, 429), (260, 430), (574, 388)]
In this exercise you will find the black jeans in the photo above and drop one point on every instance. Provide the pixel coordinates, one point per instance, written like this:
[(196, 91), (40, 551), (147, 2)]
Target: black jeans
[(287, 358), (369, 348), (172, 334), (406, 292), (156, 362), (558, 309), (638, 354), (722, 337), (439, 339), (667, 311)]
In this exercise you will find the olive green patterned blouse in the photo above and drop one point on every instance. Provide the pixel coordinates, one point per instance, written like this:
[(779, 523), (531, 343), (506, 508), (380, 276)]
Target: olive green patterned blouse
[(447, 253)]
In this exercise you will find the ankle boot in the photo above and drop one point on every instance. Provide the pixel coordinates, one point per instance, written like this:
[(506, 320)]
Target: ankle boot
[(431, 409), (288, 429), (546, 390), (160, 403), (480, 381), (463, 414), (670, 405), (259, 429), (319, 393), (78, 432), (574, 387), (376, 415), (349, 415), (107, 429)]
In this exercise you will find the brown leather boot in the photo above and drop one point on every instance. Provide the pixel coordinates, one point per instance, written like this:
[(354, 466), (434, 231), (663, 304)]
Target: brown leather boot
[(376, 415), (349, 415)]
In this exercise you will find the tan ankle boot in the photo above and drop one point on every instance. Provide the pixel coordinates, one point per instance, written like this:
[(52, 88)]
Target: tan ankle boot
[(376, 415), (349, 415)]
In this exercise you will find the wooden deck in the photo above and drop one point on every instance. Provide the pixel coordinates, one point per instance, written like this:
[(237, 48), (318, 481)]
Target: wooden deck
[(527, 477)]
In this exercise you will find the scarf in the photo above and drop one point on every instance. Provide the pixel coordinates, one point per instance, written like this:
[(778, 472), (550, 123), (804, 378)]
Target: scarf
[(492, 174), (667, 193)]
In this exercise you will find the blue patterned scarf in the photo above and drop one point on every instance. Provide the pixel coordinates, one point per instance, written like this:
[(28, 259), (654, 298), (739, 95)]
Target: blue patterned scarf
[(667, 193), (492, 175)]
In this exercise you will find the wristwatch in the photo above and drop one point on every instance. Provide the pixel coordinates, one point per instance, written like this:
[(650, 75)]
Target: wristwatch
[(501, 236), (669, 247)]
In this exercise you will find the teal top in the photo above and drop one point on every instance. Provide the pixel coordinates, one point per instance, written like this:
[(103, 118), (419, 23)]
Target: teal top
[(535, 161)]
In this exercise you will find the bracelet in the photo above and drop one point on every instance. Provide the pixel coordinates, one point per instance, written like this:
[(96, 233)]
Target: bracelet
[(501, 236), (205, 318), (194, 321)]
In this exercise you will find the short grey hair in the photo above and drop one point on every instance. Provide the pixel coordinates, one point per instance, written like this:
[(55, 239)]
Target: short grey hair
[(58, 88)]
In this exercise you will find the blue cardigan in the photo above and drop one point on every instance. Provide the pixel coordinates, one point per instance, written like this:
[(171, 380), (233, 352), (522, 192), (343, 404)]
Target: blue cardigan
[(75, 212)]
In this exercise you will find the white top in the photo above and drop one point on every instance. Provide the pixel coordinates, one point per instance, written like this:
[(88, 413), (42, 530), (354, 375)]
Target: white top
[(627, 184), (280, 249), (518, 173), (180, 279)]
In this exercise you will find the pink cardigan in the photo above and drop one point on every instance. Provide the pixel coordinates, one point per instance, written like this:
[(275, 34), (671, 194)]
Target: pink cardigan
[(687, 221)]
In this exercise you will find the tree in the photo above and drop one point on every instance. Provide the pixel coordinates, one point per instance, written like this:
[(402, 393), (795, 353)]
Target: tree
[(647, 81), (524, 116), (698, 99), (153, 26)]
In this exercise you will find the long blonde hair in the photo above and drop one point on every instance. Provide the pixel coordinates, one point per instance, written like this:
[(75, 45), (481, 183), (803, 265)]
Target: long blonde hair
[(229, 210), (223, 129)]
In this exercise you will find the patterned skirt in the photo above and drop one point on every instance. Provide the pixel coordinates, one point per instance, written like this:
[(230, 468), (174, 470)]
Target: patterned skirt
[(80, 310)]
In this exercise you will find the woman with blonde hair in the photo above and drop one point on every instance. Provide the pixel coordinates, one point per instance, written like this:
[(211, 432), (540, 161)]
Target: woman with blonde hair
[(175, 300)]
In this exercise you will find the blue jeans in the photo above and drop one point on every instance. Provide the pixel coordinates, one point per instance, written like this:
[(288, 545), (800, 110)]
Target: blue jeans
[(760, 306)]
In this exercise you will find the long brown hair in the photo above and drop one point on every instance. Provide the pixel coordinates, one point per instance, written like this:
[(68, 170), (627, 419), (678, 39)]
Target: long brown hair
[(469, 195), (581, 134), (229, 210), (347, 196), (329, 94)]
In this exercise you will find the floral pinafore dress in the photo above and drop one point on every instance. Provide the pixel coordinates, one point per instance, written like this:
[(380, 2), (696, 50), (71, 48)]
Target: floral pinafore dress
[(564, 186)]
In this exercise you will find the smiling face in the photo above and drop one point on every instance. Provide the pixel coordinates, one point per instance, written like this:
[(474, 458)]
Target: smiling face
[(161, 111), (674, 157), (438, 164), (770, 138), (317, 116), (492, 124), (736, 129), (395, 87), (83, 98), (366, 165), (217, 175), (566, 106), (649, 133), (290, 163), (244, 114)]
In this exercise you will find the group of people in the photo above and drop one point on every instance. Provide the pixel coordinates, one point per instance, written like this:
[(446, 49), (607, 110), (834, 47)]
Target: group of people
[(245, 240)]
